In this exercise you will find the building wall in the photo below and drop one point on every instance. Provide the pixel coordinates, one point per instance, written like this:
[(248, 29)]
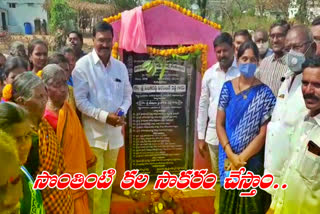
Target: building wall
[(24, 11), (3, 23)]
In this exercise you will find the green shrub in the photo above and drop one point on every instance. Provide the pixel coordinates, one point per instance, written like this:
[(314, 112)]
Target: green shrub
[(61, 16)]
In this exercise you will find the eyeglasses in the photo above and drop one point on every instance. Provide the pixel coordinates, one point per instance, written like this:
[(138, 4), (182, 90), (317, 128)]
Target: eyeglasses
[(297, 47)]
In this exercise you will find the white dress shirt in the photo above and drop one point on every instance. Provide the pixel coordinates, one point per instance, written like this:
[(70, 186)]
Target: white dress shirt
[(302, 174), (99, 90), (289, 110), (212, 83)]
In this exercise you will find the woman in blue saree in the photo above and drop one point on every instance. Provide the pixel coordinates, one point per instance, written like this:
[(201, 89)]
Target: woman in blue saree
[(244, 109)]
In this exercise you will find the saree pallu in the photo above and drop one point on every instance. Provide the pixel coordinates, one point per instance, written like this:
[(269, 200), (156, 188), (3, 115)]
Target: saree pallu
[(31, 203), (46, 155), (77, 152), (71, 99), (245, 113)]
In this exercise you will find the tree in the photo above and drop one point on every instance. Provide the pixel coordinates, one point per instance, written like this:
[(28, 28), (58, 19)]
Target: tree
[(96, 1), (261, 6), (184, 3), (122, 5), (203, 7), (281, 6), (62, 20), (62, 16), (234, 10), (302, 15), (188, 5)]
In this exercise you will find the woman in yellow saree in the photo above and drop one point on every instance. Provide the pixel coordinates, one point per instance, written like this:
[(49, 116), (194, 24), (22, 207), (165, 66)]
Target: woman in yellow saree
[(78, 156)]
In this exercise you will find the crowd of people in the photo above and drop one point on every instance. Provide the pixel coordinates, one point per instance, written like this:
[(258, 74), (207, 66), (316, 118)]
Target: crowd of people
[(259, 108), (44, 98)]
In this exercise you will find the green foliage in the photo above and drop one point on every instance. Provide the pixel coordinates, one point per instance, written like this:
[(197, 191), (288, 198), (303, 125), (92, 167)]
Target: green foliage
[(184, 3), (251, 12), (122, 5), (203, 7), (61, 16), (160, 62), (234, 11), (202, 11), (302, 15), (248, 22), (96, 1)]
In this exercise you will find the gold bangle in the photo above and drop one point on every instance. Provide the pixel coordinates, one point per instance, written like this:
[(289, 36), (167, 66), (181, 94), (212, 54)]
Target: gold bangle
[(225, 145)]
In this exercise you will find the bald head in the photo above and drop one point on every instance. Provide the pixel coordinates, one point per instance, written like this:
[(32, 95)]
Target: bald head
[(300, 39)]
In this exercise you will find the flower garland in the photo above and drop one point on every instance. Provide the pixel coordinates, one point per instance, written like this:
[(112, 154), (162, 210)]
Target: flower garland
[(182, 51), (157, 201), (114, 51), (39, 74), (173, 6), (7, 92), (174, 51), (8, 89)]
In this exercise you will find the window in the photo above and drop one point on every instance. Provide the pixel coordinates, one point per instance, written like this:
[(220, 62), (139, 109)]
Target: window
[(12, 5)]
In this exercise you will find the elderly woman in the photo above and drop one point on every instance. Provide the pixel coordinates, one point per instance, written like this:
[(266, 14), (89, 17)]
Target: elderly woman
[(71, 57), (29, 92), (17, 49), (76, 150), (244, 109), (13, 67), (61, 60), (13, 120), (38, 55), (10, 179)]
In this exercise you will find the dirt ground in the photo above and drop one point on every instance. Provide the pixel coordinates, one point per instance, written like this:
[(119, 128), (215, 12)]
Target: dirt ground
[(6, 41)]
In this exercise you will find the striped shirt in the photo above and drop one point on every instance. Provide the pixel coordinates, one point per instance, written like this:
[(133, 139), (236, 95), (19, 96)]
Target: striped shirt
[(271, 71)]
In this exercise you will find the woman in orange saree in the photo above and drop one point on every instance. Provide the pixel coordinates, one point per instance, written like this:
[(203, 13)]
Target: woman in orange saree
[(78, 156)]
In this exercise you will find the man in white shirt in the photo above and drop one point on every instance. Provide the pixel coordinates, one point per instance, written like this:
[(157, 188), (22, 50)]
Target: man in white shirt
[(302, 172), (225, 69), (102, 90), (290, 107), (315, 28)]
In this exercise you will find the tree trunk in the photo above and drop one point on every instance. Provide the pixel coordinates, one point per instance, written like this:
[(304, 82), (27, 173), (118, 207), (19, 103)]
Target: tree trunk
[(202, 5)]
